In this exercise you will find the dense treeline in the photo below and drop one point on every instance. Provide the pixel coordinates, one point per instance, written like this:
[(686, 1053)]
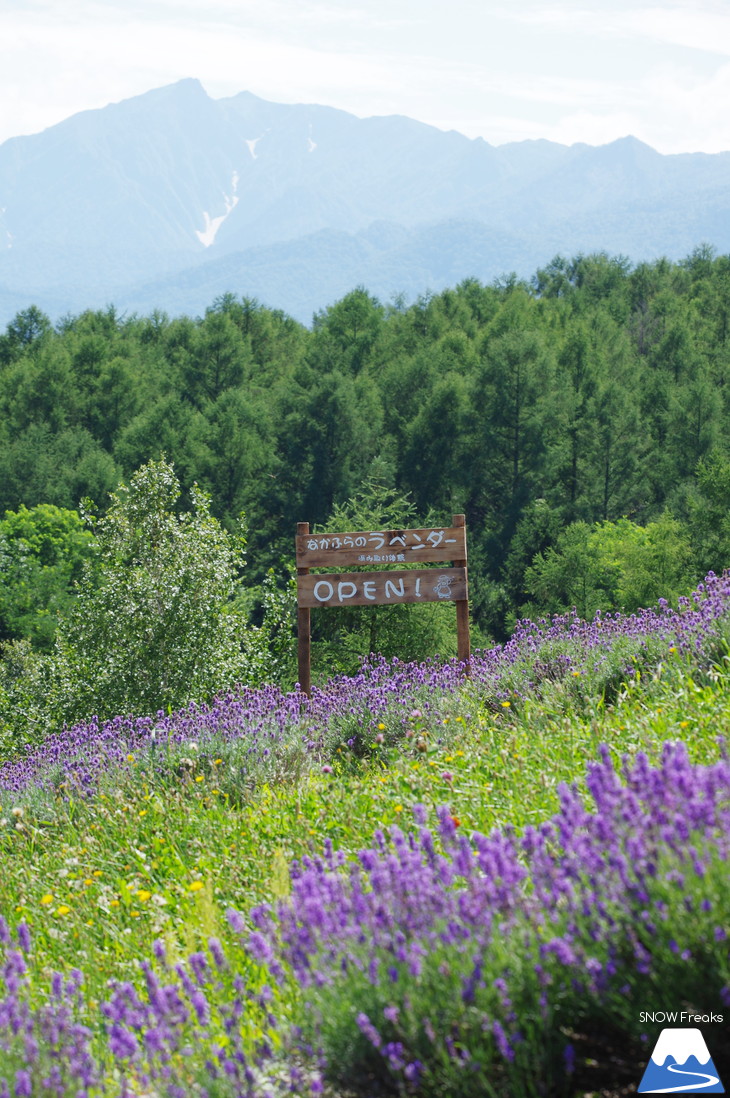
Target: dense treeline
[(597, 393)]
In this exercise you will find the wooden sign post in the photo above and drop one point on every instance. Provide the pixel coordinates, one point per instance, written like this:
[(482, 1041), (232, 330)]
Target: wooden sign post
[(304, 624), (382, 588)]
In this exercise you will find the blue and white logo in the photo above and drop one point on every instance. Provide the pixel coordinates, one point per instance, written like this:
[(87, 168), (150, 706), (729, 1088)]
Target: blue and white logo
[(681, 1063)]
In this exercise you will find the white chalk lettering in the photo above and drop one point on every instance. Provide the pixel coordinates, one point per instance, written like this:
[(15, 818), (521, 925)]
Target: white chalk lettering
[(343, 592), (368, 589), (319, 587), (391, 591)]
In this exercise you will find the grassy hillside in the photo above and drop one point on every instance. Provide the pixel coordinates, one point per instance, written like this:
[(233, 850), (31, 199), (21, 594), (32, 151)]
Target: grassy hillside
[(415, 882)]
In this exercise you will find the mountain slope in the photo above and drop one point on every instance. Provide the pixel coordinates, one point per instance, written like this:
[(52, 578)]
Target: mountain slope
[(160, 199)]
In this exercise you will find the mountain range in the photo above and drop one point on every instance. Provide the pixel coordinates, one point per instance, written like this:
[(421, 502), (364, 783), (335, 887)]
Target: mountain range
[(171, 198)]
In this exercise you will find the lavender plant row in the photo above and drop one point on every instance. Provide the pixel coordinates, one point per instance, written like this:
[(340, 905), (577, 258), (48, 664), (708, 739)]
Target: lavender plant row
[(186, 1028), (457, 957), (264, 726), (438, 963)]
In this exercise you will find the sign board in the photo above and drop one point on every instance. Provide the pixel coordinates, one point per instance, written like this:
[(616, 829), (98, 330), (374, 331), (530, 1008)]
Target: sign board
[(368, 548), (382, 588)]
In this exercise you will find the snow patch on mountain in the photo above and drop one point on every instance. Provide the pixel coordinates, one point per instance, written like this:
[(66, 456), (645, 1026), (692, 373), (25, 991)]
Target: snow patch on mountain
[(680, 1044), (8, 234), (213, 224), (252, 147)]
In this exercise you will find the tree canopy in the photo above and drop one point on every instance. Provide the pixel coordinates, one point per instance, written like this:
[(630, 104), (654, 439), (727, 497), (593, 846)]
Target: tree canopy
[(594, 394)]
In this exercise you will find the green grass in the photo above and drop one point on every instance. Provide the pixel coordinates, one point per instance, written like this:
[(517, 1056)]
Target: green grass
[(98, 882)]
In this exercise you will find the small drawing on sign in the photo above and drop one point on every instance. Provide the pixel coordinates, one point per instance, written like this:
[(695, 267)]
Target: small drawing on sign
[(443, 587)]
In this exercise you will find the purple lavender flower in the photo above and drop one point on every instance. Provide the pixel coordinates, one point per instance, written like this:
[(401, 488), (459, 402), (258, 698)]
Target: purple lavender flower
[(122, 1043), (368, 1030), (413, 1072), (23, 1084), (216, 950), (385, 691), (160, 951), (502, 1041), (24, 937), (236, 920)]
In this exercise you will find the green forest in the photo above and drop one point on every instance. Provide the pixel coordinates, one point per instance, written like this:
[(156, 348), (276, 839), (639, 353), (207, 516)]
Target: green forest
[(579, 421)]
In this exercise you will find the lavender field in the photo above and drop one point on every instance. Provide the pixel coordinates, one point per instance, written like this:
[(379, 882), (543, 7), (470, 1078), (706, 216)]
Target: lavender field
[(415, 882)]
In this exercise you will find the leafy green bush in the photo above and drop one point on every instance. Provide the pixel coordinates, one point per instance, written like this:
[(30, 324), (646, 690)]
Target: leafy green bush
[(26, 697), (154, 625), (42, 551), (158, 619), (610, 566)]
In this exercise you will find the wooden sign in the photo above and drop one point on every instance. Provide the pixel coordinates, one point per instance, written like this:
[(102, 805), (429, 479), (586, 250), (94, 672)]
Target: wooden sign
[(368, 547), (383, 588), (432, 545)]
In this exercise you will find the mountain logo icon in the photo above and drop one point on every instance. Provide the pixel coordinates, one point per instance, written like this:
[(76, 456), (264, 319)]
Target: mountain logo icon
[(681, 1064)]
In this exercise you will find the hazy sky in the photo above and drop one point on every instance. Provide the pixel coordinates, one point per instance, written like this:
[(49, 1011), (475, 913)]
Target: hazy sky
[(566, 70)]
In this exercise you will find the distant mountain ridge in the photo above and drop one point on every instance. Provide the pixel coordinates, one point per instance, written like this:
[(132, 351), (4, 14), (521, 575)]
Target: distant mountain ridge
[(169, 199)]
